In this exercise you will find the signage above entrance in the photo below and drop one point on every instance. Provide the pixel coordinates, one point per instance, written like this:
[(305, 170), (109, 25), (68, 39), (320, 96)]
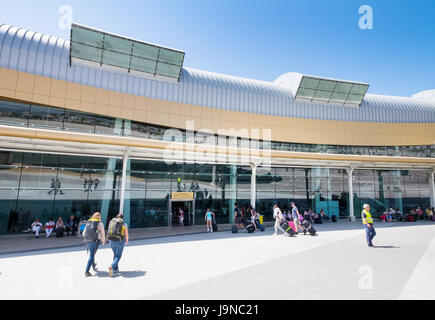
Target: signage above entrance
[(182, 196)]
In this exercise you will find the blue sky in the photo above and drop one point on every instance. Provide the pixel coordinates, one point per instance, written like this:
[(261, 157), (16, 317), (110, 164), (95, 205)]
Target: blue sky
[(263, 39)]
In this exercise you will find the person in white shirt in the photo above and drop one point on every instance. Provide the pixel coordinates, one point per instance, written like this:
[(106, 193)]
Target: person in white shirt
[(36, 227), (49, 226), (277, 215)]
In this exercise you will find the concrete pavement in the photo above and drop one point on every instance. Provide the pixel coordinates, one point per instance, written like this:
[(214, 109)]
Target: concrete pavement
[(336, 264)]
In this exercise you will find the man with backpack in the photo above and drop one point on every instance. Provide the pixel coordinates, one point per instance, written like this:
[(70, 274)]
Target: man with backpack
[(118, 236), (93, 235)]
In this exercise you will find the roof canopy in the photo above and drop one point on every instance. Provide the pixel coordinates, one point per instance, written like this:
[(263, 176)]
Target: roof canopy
[(104, 48), (331, 91)]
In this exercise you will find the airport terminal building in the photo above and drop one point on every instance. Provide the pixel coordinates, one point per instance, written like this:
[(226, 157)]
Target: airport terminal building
[(101, 122)]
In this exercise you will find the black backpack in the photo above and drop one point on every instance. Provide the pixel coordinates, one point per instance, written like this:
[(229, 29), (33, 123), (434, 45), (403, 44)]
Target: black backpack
[(91, 231)]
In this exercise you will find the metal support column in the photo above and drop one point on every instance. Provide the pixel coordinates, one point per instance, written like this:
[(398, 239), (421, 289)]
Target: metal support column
[(253, 184), (350, 182), (124, 180), (432, 188)]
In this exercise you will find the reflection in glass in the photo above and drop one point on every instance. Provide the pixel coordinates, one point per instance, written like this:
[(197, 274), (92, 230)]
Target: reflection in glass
[(13, 113), (79, 121)]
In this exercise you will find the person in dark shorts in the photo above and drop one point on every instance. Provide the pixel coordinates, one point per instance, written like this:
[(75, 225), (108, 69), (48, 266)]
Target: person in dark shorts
[(238, 216)]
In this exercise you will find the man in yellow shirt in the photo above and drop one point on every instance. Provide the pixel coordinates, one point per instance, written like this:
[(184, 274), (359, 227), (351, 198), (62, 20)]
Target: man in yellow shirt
[(368, 222)]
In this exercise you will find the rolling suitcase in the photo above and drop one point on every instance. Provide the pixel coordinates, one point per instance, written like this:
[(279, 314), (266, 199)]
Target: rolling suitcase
[(288, 228), (308, 227), (214, 226), (234, 229), (250, 228)]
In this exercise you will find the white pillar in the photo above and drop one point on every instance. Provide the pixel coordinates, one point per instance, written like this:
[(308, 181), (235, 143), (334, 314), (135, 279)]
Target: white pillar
[(253, 184), (350, 182), (124, 180), (432, 188)]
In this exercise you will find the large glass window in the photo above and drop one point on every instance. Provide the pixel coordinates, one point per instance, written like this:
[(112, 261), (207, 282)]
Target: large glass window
[(35, 185), (46, 117), (79, 121), (14, 113)]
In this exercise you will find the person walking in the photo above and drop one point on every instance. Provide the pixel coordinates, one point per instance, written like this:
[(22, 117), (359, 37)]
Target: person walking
[(277, 215), (93, 235), (181, 217), (238, 216), (208, 218), (118, 236), (368, 223), (295, 217)]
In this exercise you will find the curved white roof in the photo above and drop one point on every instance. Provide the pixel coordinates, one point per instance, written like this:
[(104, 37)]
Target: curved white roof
[(45, 55)]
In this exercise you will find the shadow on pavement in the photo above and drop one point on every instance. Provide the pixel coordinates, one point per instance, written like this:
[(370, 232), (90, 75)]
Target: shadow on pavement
[(123, 274), (387, 247)]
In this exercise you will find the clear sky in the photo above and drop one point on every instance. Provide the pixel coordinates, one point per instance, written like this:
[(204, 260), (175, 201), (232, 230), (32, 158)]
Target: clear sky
[(263, 39)]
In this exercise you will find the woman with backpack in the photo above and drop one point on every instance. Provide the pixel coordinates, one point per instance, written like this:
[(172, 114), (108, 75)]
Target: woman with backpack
[(93, 235)]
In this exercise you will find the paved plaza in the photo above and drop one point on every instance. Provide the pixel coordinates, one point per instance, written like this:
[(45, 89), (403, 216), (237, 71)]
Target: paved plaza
[(336, 264)]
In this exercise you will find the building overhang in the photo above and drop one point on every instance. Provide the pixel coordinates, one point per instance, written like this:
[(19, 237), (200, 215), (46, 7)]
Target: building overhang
[(41, 140)]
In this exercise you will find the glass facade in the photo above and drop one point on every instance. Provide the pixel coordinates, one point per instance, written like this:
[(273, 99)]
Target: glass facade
[(315, 188), (37, 185), (151, 184), (35, 116), (382, 189)]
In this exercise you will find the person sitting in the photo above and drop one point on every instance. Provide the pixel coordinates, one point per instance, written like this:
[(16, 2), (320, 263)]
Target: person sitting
[(389, 215), (60, 228), (419, 213), (318, 218), (49, 226), (324, 215), (311, 215), (36, 227), (398, 215), (71, 225), (383, 216)]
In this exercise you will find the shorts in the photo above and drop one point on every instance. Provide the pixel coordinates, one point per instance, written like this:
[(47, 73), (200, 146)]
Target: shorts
[(239, 220), (296, 221)]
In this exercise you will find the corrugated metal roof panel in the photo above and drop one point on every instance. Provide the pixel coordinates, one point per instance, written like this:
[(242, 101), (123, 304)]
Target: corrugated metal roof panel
[(44, 55)]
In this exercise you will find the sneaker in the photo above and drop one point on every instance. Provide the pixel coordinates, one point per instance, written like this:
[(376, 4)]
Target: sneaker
[(371, 245), (110, 271), (88, 274)]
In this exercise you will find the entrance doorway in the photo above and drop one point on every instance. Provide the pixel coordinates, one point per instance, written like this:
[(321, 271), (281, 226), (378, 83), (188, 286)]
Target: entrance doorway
[(188, 206)]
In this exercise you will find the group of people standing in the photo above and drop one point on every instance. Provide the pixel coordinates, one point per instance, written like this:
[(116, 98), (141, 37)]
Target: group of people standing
[(249, 214), (94, 235)]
